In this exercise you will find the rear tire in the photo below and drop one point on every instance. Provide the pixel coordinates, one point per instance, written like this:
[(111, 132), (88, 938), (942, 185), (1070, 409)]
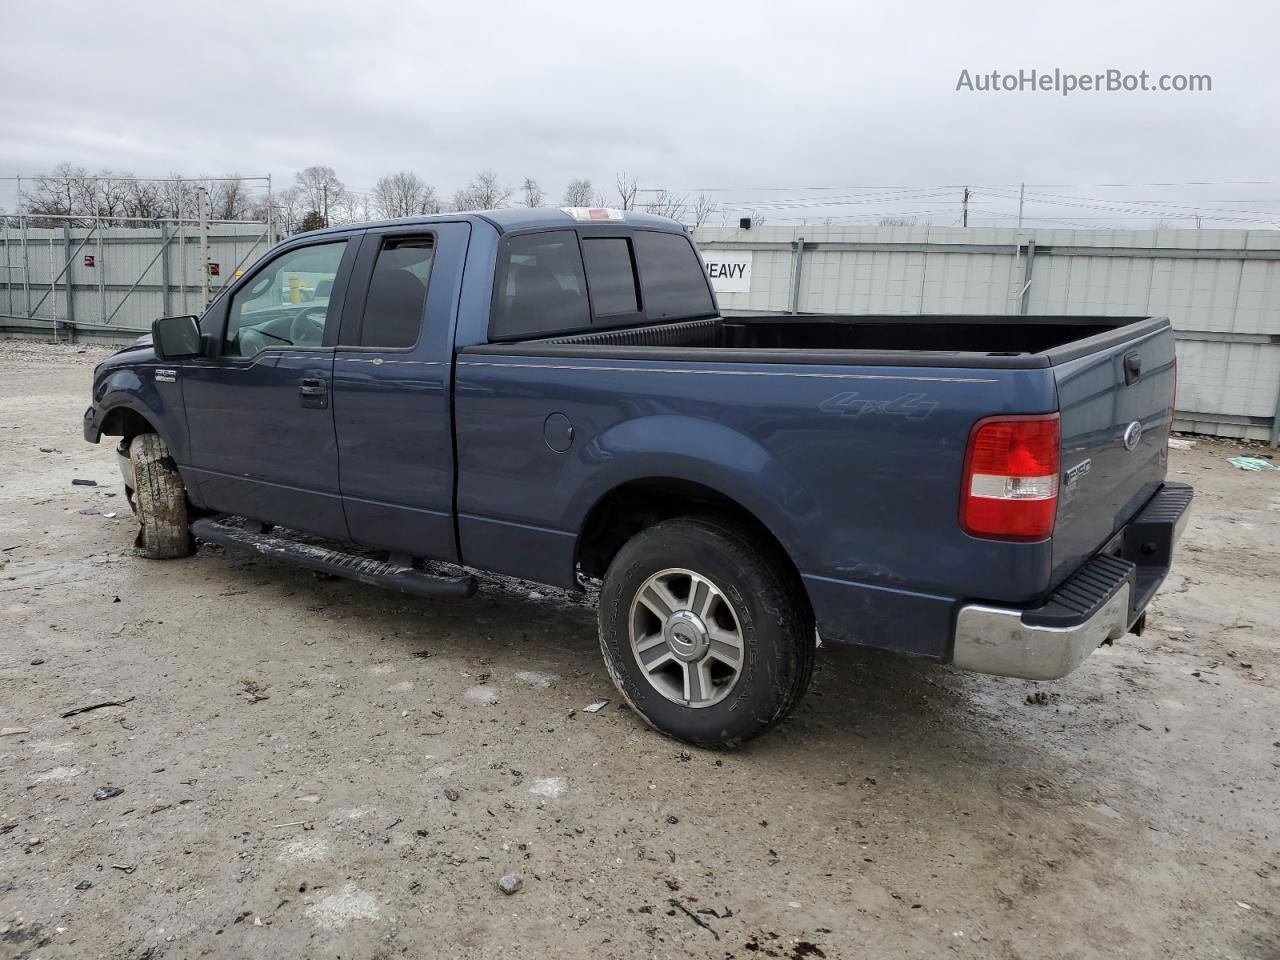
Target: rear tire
[(705, 632), (160, 500)]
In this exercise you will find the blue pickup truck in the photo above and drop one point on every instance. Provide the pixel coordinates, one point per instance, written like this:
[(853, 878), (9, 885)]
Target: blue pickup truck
[(554, 395)]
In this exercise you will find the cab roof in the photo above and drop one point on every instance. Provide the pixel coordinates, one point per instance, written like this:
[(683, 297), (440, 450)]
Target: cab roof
[(510, 219)]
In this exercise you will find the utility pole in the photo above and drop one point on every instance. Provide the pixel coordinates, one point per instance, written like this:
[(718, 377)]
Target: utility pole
[(324, 203), (964, 208), (1022, 193), (202, 199)]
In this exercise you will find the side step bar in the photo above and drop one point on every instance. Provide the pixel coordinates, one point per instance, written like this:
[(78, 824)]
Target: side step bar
[(373, 572)]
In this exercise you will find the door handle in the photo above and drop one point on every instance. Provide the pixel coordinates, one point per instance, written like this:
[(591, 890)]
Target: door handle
[(314, 392)]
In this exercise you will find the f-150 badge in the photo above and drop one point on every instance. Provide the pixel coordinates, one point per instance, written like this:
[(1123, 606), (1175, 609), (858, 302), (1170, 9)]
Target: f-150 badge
[(1072, 475)]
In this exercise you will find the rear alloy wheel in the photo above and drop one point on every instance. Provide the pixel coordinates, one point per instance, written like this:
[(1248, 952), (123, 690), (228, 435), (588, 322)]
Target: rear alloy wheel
[(160, 499), (686, 638), (705, 632)]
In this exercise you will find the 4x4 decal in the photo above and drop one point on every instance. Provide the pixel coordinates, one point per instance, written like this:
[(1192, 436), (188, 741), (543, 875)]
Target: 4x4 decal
[(913, 406)]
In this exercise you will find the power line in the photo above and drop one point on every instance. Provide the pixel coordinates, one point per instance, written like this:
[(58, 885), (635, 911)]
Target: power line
[(960, 186), (1096, 203), (1102, 203)]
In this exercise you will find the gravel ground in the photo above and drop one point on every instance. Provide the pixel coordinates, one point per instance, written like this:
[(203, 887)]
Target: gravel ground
[(307, 768)]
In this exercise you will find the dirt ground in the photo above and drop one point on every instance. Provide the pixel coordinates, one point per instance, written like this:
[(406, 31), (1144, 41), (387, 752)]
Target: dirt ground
[(321, 769)]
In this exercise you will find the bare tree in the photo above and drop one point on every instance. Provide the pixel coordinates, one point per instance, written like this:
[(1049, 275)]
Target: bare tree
[(142, 200), (896, 222), (177, 197), (667, 204), (229, 199), (355, 208), (261, 210), (109, 192), (322, 191), (484, 192), (533, 195), (578, 193), (55, 193), (704, 208), (104, 194), (430, 201), (73, 191), (627, 187), (290, 209), (402, 194)]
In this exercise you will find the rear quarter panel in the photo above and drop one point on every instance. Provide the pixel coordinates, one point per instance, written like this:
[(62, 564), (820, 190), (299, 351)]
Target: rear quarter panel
[(855, 470)]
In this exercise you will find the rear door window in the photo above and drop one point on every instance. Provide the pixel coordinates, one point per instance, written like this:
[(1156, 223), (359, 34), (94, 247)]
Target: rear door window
[(542, 288), (671, 276), (397, 294), (612, 276)]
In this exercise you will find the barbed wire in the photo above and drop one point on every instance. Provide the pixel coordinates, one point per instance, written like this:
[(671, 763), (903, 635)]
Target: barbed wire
[(1082, 204)]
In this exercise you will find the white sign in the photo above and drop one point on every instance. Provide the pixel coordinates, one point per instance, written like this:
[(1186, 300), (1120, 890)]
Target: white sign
[(729, 270)]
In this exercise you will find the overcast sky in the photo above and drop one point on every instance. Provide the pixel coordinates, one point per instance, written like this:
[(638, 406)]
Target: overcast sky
[(688, 95)]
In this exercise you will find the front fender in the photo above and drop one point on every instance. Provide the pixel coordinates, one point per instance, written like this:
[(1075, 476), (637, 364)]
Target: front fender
[(150, 390), (701, 451)]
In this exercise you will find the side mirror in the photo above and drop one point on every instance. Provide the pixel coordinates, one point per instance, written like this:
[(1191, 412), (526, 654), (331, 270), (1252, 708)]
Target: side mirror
[(176, 338)]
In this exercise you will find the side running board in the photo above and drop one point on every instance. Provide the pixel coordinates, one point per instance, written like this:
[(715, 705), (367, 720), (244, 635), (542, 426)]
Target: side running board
[(353, 567)]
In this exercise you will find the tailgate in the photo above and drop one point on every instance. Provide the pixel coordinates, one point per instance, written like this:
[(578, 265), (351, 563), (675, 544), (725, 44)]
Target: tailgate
[(1115, 401)]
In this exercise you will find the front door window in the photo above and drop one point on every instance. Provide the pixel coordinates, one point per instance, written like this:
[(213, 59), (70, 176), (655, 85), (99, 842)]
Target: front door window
[(286, 304)]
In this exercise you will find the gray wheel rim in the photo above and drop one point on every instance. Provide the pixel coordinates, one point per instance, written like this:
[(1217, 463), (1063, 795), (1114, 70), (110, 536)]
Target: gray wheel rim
[(686, 637)]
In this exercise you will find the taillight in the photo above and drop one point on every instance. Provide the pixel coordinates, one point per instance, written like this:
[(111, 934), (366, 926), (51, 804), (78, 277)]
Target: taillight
[(1010, 478)]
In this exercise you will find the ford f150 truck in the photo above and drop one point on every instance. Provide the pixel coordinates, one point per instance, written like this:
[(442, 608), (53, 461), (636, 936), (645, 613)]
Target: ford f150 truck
[(553, 395)]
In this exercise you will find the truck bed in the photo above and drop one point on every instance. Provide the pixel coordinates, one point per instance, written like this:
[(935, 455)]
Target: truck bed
[(933, 340), (845, 436)]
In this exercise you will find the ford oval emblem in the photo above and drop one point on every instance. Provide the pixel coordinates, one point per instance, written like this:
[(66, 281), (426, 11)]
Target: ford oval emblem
[(1132, 434)]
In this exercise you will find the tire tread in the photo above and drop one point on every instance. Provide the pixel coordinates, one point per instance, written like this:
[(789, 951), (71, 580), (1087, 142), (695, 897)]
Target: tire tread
[(160, 499)]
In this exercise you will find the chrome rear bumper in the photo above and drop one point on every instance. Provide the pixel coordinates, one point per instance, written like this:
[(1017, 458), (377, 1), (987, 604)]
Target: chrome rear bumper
[(1099, 602), (995, 640)]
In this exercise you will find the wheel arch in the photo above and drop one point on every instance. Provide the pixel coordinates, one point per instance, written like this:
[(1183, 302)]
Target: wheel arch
[(126, 422), (128, 419), (666, 465), (633, 505)]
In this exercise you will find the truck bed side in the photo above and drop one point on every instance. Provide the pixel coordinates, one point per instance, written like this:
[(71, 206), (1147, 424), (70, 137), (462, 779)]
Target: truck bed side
[(854, 470)]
